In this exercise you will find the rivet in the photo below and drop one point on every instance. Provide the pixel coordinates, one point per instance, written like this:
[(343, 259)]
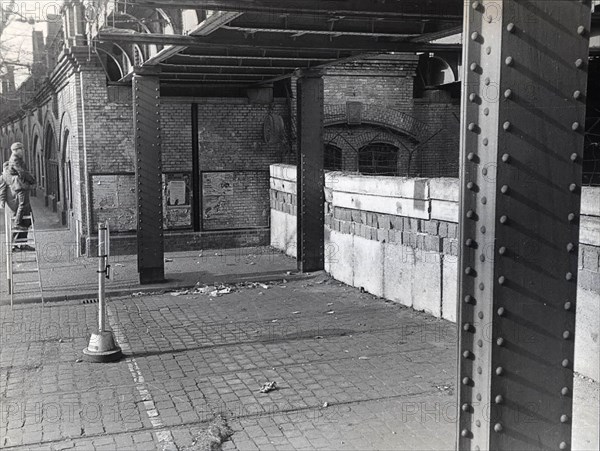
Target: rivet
[(482, 258), (506, 126), (499, 371), (498, 427), (470, 214), (565, 363), (468, 299), (472, 97), (502, 250), (469, 271), (570, 247), (484, 171), (479, 371), (503, 219), (504, 189), (569, 276), (470, 185), (487, 81), (485, 141), (465, 433), (468, 355), (572, 187), (467, 381), (499, 399), (478, 423), (480, 343), (482, 229), (476, 5), (478, 397), (501, 280), (472, 126), (486, 111), (488, 50), (471, 156), (574, 157), (508, 94), (469, 242), (480, 315), (509, 61), (577, 95), (465, 407), (501, 311), (568, 306), (468, 327), (579, 62), (481, 286), (484, 200), (474, 36), (563, 445), (571, 217), (500, 341), (575, 126), (581, 30), (510, 27), (564, 391), (474, 67), (566, 334), (505, 158)]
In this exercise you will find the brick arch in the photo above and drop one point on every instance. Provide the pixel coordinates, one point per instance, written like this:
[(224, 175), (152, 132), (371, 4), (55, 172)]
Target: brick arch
[(352, 139), (399, 122)]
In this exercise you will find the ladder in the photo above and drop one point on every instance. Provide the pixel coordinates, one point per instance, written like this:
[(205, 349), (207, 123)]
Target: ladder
[(22, 266)]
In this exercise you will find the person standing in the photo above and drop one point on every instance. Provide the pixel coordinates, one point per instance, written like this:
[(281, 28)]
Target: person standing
[(15, 184), (22, 182)]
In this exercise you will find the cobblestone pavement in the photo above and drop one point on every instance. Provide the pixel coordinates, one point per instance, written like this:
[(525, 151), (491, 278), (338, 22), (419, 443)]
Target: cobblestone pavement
[(352, 372)]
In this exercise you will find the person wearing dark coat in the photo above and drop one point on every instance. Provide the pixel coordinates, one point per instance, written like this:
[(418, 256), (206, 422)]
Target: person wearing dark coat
[(22, 182)]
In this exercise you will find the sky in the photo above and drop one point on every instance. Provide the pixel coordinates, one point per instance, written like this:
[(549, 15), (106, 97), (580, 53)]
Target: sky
[(15, 42)]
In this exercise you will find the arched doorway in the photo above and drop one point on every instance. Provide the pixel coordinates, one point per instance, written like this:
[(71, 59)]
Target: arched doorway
[(65, 178), (378, 159), (52, 169)]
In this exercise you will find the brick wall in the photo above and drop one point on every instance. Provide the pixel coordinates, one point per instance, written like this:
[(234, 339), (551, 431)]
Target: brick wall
[(176, 123)]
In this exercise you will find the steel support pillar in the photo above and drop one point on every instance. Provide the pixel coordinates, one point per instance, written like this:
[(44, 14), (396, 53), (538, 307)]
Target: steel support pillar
[(148, 174), (523, 112), (310, 179)]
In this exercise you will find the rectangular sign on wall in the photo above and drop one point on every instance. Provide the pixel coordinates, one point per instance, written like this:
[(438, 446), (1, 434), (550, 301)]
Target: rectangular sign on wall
[(177, 201)]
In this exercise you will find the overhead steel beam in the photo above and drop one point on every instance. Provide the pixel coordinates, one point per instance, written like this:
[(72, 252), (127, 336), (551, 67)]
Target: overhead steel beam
[(362, 8), (522, 135), (302, 32), (266, 42)]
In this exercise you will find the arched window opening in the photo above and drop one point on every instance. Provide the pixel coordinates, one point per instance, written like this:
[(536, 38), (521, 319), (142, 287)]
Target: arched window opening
[(52, 186), (333, 158), (378, 159)]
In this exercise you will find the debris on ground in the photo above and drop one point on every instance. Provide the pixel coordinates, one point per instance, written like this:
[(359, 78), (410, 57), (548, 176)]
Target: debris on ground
[(325, 405), (168, 260), (363, 357), (295, 313), (213, 437), (180, 293), (221, 291), (268, 387)]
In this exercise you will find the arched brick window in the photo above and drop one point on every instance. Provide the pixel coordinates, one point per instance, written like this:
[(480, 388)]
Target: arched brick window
[(333, 158), (378, 159)]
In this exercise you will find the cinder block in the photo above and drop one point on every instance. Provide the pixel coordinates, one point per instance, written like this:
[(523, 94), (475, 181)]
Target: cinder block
[(433, 243), (368, 263), (452, 230), (449, 287), (397, 223)]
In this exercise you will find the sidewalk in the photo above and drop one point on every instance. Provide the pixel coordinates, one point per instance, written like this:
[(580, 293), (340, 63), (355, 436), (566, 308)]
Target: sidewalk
[(353, 372), (66, 276)]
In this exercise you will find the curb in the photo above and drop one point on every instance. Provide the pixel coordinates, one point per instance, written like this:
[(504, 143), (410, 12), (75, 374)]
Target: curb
[(224, 279)]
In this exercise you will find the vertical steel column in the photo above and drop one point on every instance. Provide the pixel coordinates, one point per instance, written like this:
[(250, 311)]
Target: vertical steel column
[(310, 179), (146, 119), (523, 110)]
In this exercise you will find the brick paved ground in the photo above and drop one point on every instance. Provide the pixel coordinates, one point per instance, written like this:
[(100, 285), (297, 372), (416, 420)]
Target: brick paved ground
[(354, 372)]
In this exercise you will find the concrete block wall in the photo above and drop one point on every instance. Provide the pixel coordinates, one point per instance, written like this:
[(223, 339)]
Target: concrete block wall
[(398, 238)]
